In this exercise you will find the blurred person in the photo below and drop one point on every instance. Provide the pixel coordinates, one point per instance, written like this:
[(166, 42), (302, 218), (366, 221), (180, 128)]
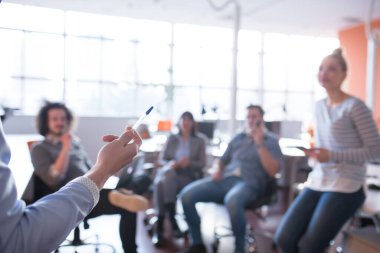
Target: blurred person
[(42, 226), (60, 158), (182, 161), (241, 176), (346, 138)]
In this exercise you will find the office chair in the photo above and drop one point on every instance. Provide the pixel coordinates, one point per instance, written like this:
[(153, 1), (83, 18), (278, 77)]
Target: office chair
[(150, 219), (40, 189), (268, 198)]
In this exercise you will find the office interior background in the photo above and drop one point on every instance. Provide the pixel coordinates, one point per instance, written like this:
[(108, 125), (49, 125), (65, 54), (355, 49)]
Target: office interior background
[(111, 60)]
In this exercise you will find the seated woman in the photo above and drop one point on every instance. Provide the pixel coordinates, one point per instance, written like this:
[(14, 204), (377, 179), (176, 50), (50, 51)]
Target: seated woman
[(181, 162)]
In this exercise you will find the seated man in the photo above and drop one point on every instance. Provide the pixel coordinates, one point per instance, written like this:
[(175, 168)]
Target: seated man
[(251, 158), (59, 158)]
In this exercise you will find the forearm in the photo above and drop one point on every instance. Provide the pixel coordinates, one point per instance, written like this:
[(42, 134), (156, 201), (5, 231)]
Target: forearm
[(221, 166), (60, 166), (270, 164), (359, 155), (198, 164)]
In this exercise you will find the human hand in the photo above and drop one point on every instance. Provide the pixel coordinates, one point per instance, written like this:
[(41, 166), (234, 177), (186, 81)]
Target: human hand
[(257, 132), (217, 175), (322, 155), (118, 152), (66, 140), (174, 164), (184, 162)]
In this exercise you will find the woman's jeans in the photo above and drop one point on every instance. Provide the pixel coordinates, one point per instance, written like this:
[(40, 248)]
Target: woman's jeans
[(314, 219), (232, 191)]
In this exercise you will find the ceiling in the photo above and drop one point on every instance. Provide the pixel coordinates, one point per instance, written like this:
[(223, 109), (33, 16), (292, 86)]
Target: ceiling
[(309, 17)]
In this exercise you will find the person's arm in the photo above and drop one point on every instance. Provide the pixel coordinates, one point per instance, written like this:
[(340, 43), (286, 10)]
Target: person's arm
[(41, 227), (218, 173), (43, 166), (167, 153), (270, 163), (267, 154), (369, 134), (199, 161), (59, 168)]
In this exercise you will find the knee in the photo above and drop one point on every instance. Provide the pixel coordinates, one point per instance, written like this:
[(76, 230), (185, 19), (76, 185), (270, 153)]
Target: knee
[(234, 206), (186, 197)]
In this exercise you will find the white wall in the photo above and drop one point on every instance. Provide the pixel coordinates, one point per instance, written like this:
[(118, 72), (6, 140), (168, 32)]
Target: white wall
[(89, 129)]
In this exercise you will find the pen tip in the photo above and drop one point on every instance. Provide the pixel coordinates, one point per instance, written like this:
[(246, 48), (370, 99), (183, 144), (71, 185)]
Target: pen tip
[(149, 110)]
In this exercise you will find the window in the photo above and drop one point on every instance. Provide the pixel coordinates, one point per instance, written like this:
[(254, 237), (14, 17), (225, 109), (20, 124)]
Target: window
[(116, 66)]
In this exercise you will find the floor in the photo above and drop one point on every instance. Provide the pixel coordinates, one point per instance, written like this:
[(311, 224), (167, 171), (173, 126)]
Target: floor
[(211, 215)]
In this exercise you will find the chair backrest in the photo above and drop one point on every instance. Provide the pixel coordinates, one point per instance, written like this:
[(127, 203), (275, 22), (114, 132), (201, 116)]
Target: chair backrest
[(164, 125), (36, 188), (268, 197)]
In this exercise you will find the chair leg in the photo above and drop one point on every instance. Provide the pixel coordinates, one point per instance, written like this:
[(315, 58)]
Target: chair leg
[(251, 240), (76, 241)]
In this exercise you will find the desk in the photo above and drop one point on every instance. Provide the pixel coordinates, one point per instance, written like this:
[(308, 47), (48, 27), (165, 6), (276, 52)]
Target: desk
[(364, 240), (292, 157)]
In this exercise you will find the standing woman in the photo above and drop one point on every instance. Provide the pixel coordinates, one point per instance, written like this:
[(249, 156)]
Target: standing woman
[(346, 138), (182, 160)]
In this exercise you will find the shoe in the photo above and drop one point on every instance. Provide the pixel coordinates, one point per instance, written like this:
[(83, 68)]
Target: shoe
[(127, 200), (198, 248), (158, 240)]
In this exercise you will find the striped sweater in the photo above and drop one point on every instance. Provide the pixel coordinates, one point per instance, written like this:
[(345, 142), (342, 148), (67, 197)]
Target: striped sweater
[(349, 132)]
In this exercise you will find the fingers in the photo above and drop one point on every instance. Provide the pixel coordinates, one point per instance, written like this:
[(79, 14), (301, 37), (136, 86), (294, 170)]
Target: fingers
[(109, 138), (129, 135), (137, 139), (125, 138)]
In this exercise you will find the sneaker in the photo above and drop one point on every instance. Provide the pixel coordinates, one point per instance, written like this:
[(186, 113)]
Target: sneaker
[(127, 200), (198, 248)]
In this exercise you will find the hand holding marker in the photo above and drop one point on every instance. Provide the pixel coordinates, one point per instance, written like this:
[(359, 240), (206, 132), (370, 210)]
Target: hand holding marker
[(138, 122)]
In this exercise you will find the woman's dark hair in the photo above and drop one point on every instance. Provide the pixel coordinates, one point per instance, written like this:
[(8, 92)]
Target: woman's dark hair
[(43, 116), (189, 116), (257, 107)]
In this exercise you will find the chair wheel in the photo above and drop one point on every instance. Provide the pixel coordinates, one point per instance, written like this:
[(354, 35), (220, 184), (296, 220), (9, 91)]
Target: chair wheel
[(251, 249)]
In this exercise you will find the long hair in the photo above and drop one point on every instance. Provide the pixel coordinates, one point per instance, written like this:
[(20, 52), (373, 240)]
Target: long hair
[(189, 116), (43, 116)]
